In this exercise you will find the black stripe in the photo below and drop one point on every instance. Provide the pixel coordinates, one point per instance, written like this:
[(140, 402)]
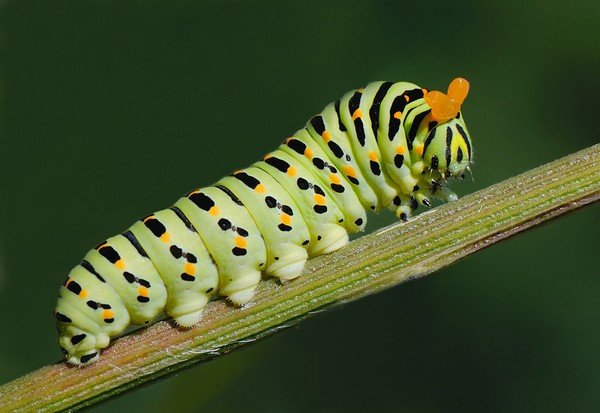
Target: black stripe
[(412, 133), (374, 111), (85, 264), (448, 145), (397, 106), (462, 133), (136, 244), (183, 218), (317, 123), (430, 137), (231, 194), (109, 253), (155, 226), (337, 111), (297, 146)]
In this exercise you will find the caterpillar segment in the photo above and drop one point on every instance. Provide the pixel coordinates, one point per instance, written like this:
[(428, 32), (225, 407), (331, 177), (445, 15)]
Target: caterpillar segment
[(385, 146)]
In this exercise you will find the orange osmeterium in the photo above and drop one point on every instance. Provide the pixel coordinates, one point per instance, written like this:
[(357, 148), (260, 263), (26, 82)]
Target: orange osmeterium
[(445, 106)]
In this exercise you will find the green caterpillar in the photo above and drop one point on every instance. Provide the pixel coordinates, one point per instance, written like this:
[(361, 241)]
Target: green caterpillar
[(385, 146)]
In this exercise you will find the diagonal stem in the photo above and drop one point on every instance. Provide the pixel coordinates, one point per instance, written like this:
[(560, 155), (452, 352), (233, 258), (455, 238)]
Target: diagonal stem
[(381, 260)]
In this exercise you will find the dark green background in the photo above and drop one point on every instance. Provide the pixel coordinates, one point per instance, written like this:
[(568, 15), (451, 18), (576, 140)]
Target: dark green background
[(112, 109)]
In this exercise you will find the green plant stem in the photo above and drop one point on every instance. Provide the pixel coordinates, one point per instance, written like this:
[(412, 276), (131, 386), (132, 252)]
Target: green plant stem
[(381, 260)]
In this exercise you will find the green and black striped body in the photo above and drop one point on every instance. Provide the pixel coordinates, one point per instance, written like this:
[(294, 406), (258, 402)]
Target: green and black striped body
[(378, 147)]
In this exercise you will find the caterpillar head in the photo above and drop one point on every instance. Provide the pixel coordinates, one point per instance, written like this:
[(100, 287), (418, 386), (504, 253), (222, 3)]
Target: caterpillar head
[(447, 147)]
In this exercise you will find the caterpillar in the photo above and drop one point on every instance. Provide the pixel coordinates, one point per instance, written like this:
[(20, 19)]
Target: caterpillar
[(384, 146)]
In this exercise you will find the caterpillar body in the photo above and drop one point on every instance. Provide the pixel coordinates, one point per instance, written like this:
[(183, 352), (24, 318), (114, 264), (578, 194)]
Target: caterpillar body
[(385, 146)]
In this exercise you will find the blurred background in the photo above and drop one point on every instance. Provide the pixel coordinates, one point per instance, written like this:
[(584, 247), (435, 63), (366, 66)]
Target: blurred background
[(110, 110)]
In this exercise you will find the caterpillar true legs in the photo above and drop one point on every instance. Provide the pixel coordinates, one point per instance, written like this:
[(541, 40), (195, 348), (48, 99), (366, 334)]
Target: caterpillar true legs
[(384, 146)]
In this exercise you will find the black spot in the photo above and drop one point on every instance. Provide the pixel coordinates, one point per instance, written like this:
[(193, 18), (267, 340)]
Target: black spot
[(224, 224), (319, 163), (335, 148), (129, 277), (338, 188), (375, 168), (88, 357), (434, 162), (155, 226), (143, 299), (187, 277), (287, 210), (302, 183), (306, 242), (320, 209), (92, 304), (352, 179), (242, 232), (317, 123), (239, 251), (62, 318), (270, 201), (358, 222), (319, 238), (348, 158), (414, 204), (318, 190), (143, 282), (399, 160), (397, 201), (210, 290), (201, 200), (403, 217), (191, 258), (459, 155), (416, 188), (74, 287), (109, 320), (276, 258), (278, 163), (109, 253), (249, 181), (105, 306), (284, 228), (297, 146), (77, 339), (176, 251)]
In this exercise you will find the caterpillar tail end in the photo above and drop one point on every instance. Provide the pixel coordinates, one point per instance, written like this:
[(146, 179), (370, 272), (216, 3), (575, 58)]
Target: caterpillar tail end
[(82, 348), (242, 297)]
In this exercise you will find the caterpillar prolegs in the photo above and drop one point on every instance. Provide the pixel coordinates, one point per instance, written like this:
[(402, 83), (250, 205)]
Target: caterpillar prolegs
[(385, 146)]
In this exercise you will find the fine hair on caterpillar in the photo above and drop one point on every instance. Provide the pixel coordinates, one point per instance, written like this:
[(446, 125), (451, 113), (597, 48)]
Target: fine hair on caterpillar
[(384, 146)]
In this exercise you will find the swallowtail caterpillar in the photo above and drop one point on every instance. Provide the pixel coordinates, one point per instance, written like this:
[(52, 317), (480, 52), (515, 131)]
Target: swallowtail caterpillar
[(385, 146)]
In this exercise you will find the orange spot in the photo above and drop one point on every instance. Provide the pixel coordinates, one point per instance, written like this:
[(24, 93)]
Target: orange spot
[(406, 98), (189, 268), (357, 114), (291, 171), (308, 153), (120, 264), (165, 237), (285, 219), (334, 178), (400, 150), (108, 314), (373, 156), (143, 291), (241, 242), (319, 199), (260, 188), (83, 293), (419, 150), (348, 170), (397, 115), (214, 210), (424, 91), (326, 135)]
